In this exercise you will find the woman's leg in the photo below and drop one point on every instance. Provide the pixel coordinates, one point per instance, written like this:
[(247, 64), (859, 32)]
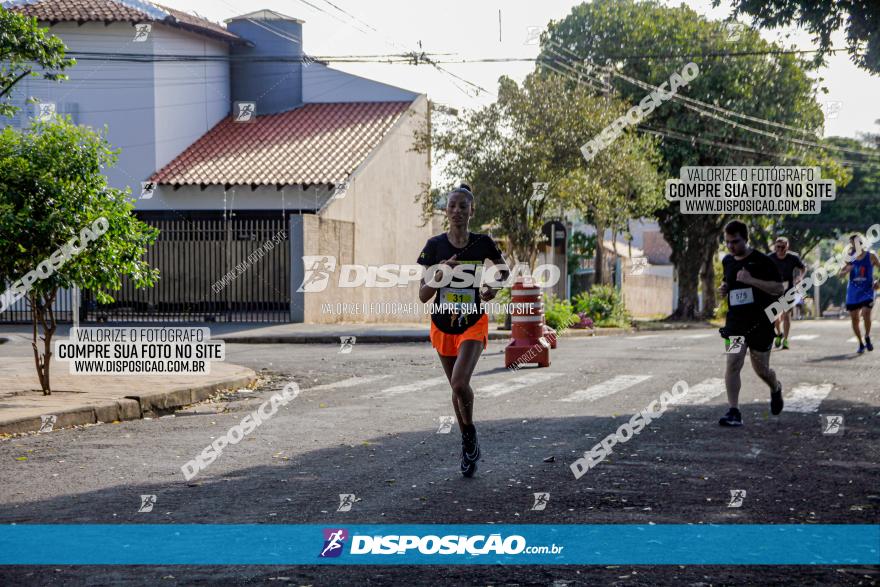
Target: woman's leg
[(462, 395), (448, 366), (854, 317)]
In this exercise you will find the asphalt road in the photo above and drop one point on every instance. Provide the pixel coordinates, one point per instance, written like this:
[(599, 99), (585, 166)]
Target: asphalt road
[(366, 423)]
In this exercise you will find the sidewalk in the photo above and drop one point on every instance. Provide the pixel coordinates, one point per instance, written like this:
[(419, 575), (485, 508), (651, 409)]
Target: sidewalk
[(86, 399)]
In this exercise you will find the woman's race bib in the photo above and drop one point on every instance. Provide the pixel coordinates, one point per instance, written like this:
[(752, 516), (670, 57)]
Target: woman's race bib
[(457, 300)]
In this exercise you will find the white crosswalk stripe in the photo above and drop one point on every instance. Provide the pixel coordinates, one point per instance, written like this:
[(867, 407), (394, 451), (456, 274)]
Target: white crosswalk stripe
[(642, 336), (350, 382), (606, 388), (410, 387), (806, 398), (803, 337), (503, 387), (703, 392), (697, 336), (853, 340)]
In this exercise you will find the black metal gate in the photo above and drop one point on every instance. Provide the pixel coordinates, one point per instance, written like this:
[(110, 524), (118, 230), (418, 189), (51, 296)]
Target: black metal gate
[(233, 270)]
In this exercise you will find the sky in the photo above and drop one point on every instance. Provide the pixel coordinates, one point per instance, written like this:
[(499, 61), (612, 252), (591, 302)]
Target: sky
[(470, 29)]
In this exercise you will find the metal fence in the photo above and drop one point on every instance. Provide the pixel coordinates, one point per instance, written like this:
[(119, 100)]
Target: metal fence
[(234, 270)]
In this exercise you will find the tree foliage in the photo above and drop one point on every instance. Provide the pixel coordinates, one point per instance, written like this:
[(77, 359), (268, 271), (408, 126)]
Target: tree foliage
[(52, 185), (26, 49), (649, 42), (532, 134), (821, 19)]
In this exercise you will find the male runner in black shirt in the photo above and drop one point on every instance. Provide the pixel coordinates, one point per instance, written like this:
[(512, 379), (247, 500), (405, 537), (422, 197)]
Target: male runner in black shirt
[(791, 269), (751, 283)]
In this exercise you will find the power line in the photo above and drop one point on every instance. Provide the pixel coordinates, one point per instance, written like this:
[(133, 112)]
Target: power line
[(704, 104), (692, 138), (733, 123)]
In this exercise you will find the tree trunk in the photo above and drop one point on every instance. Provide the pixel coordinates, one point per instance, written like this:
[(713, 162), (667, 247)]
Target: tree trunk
[(707, 276), (40, 311), (691, 238), (599, 276), (687, 271)]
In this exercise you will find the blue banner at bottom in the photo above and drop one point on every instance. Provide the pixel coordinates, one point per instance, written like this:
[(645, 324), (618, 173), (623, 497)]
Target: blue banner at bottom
[(351, 544)]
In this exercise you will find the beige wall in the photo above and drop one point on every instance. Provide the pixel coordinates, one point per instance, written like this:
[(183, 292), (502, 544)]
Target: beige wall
[(650, 293), (381, 218)]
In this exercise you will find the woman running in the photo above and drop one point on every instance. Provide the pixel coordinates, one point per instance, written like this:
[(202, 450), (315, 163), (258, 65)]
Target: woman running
[(860, 289), (459, 327)]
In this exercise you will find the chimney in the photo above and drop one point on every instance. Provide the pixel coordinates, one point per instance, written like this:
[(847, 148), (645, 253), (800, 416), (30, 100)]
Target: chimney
[(270, 72)]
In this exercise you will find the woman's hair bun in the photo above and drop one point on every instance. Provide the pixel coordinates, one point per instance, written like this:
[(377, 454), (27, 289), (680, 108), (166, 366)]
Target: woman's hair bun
[(464, 186)]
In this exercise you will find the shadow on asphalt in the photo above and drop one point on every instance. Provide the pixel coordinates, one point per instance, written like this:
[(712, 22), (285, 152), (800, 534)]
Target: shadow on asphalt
[(680, 469)]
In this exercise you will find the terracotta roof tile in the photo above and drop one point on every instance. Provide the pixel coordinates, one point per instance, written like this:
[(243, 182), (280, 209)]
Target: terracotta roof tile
[(314, 144), (134, 11)]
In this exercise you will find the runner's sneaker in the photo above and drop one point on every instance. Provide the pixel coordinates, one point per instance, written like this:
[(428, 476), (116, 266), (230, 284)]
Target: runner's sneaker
[(861, 348), (777, 342), (776, 402), (470, 451), (733, 417), (868, 344), (785, 344)]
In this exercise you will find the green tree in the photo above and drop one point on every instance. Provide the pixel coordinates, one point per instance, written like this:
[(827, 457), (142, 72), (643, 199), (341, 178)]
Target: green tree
[(862, 18), (856, 204), (52, 186), (532, 134), (649, 42), (25, 48)]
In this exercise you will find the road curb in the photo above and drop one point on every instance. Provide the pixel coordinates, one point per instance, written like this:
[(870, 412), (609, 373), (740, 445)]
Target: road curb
[(132, 407)]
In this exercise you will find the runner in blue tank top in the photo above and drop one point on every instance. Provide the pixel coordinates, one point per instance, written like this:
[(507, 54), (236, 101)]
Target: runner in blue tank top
[(860, 290)]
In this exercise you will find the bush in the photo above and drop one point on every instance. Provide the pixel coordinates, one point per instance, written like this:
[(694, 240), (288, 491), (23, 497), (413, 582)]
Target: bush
[(604, 305), (558, 314)]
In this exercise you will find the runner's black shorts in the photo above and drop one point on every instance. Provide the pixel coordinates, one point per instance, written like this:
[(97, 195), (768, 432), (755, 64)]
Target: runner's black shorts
[(862, 304), (759, 338)]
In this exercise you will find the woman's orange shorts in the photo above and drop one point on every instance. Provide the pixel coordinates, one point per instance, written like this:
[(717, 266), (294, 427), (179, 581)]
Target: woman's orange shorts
[(447, 344)]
